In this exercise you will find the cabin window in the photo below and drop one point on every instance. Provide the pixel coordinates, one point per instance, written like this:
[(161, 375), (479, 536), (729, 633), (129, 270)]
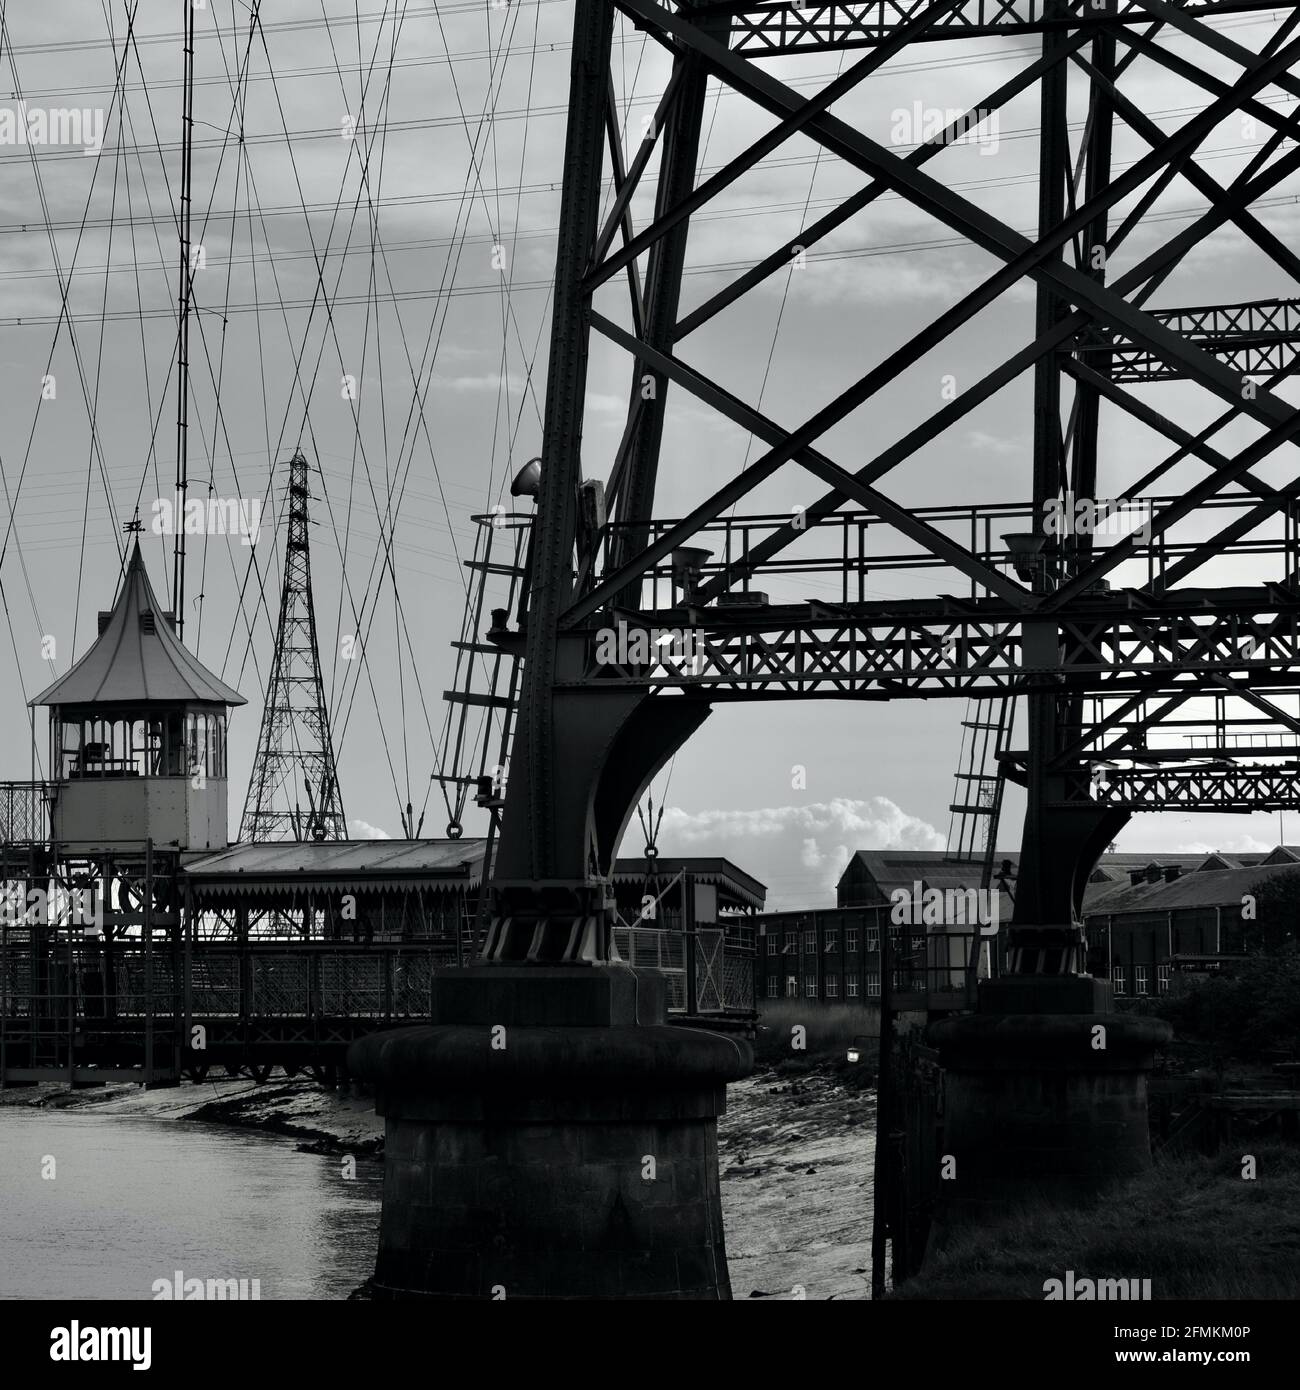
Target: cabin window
[(221, 744), (175, 745), (198, 726)]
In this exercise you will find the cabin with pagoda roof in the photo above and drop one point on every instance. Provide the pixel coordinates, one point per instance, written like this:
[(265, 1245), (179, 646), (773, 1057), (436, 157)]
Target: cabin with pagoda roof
[(138, 733)]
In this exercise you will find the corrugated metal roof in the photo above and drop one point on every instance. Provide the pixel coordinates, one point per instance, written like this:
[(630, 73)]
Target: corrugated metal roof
[(283, 866), (1212, 888), (901, 868), (130, 665)]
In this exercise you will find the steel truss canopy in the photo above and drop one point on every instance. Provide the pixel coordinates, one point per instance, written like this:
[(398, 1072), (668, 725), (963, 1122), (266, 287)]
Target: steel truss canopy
[(1111, 632)]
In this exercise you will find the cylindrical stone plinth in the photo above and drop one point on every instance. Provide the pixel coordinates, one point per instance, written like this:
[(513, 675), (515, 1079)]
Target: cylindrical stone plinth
[(1041, 1106), (527, 1160)]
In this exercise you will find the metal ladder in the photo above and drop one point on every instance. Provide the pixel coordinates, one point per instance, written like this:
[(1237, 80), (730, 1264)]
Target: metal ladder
[(485, 697), (977, 797)]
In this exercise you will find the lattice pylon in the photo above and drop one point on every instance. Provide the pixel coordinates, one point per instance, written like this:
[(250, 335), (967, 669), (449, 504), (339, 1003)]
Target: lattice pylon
[(293, 792)]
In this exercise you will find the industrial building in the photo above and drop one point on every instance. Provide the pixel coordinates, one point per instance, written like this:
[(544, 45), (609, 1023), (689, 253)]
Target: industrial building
[(1147, 919)]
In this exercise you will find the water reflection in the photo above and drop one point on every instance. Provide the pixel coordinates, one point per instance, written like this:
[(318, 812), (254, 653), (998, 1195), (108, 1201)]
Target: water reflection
[(135, 1200)]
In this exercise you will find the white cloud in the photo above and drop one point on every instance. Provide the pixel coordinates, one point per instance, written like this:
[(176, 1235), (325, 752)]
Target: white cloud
[(361, 830), (991, 443), (1242, 844), (799, 852)]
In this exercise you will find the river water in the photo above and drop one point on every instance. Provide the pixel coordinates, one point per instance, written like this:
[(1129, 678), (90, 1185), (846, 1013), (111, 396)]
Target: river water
[(133, 1200)]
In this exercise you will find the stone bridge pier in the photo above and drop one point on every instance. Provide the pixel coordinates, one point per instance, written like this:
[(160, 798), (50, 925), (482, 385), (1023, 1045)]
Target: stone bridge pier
[(550, 1136)]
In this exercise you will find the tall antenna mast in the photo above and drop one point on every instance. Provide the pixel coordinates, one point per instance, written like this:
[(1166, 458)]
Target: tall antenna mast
[(183, 342)]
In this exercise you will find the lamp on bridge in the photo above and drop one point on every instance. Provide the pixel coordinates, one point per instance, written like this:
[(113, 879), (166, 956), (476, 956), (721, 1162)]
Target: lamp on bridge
[(528, 480), (1026, 549), (688, 564)]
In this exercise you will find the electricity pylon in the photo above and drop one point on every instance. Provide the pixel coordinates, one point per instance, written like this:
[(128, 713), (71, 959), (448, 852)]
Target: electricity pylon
[(294, 790)]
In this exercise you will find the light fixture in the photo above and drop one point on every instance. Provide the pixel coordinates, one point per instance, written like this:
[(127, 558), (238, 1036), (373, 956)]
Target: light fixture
[(1025, 548), (528, 480), (688, 561)]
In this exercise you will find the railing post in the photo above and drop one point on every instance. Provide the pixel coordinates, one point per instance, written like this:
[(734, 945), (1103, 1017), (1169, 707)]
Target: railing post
[(187, 932), (147, 928), (688, 927)]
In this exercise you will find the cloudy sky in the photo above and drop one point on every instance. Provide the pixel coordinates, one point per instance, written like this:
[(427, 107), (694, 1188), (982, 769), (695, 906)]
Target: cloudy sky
[(387, 220)]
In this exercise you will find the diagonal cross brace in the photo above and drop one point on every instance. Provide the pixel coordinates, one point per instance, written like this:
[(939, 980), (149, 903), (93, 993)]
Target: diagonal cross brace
[(987, 231)]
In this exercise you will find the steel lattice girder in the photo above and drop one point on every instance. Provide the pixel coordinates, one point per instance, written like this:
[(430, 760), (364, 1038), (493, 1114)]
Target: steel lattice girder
[(1191, 788), (1259, 338), (767, 30), (916, 648)]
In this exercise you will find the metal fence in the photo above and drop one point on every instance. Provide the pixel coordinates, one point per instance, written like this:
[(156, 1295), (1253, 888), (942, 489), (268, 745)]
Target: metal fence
[(24, 813), (724, 965)]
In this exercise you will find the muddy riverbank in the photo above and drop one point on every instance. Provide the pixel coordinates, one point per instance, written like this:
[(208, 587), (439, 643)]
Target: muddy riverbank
[(795, 1159)]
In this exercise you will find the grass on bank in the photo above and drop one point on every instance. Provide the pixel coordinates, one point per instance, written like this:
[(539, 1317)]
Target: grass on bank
[(1192, 1225)]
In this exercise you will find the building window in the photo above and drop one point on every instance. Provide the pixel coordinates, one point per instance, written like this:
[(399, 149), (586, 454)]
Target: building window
[(809, 942), (810, 986), (772, 945), (873, 939), (773, 984), (791, 943), (1140, 979), (832, 986), (851, 940), (792, 986), (832, 941), (873, 984), (1162, 978), (851, 987), (1117, 978)]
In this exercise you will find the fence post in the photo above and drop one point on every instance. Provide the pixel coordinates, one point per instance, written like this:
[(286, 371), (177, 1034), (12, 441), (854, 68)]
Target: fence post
[(882, 1182)]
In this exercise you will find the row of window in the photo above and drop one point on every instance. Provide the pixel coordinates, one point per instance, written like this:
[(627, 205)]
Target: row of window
[(902, 980), (851, 986), (1141, 978), (831, 943), (172, 745)]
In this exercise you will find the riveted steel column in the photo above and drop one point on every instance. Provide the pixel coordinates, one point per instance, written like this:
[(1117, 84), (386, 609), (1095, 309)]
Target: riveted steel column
[(662, 296), (528, 842)]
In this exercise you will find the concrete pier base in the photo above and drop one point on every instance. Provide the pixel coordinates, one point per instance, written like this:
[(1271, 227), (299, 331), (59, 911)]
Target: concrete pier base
[(1045, 1096), (550, 1136)]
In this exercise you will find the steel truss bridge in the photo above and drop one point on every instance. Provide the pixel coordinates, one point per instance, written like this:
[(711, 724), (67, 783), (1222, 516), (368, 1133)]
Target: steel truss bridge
[(1157, 664)]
